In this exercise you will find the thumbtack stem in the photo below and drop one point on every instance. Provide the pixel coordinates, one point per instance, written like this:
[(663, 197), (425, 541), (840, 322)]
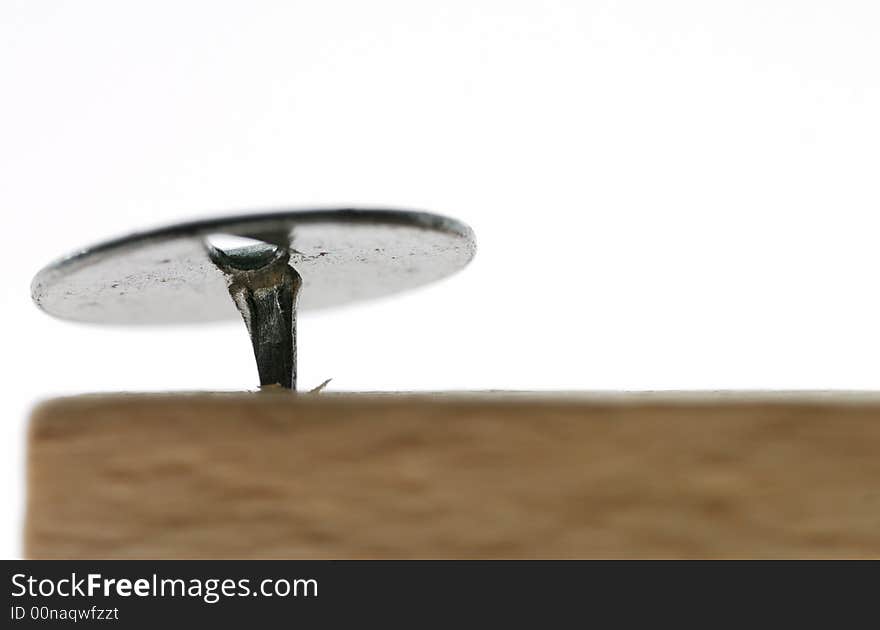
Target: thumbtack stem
[(265, 294)]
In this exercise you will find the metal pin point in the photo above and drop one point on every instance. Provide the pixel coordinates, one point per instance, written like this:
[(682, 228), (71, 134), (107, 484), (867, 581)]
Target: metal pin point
[(303, 259)]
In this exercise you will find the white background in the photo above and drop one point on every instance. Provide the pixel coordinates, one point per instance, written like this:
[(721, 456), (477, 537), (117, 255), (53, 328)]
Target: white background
[(666, 195)]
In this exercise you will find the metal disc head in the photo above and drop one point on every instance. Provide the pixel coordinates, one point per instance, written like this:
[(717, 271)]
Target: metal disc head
[(168, 276)]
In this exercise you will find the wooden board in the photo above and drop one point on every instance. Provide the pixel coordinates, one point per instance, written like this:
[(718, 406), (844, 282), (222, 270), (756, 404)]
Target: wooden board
[(483, 476)]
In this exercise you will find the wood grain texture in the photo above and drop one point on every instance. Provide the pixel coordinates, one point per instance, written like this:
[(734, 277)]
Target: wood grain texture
[(359, 476)]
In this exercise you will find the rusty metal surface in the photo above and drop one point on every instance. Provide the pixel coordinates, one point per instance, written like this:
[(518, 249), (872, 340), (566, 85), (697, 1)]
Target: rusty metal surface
[(168, 275)]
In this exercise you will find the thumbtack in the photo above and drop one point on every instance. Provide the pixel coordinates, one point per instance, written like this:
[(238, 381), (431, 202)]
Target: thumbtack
[(306, 259)]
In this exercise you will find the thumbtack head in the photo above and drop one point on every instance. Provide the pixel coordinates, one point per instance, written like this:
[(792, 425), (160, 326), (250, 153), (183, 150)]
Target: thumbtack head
[(302, 259)]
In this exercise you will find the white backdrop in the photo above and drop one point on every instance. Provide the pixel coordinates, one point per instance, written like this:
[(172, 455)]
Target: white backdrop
[(666, 195)]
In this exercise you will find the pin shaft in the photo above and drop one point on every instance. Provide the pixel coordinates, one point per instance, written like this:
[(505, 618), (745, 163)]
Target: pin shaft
[(265, 288)]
